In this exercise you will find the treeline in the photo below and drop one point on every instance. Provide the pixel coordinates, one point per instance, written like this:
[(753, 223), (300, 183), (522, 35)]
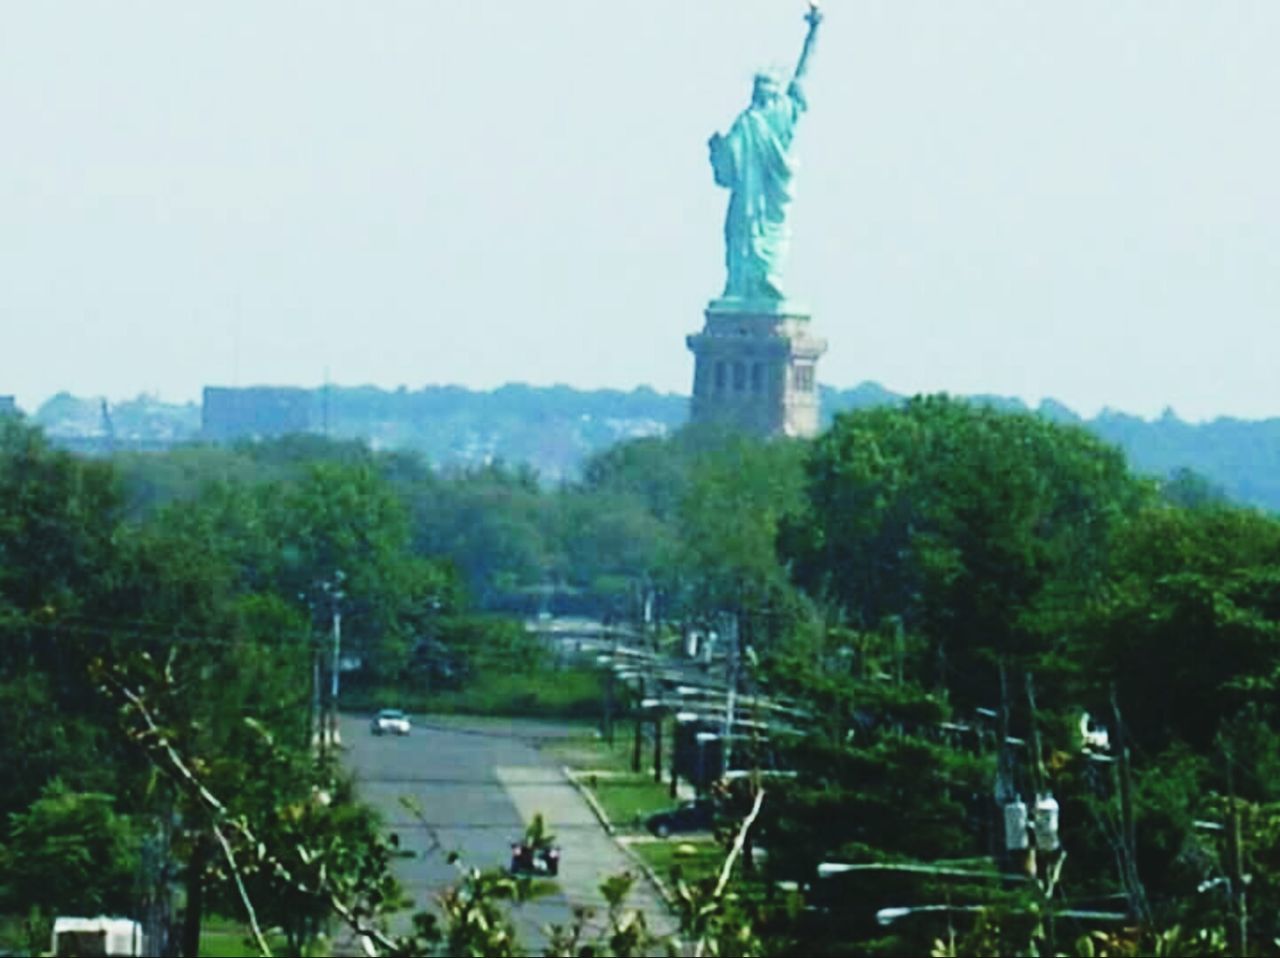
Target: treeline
[(514, 543), (557, 430)]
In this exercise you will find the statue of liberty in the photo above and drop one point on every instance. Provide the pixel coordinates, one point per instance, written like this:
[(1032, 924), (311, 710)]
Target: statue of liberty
[(755, 162)]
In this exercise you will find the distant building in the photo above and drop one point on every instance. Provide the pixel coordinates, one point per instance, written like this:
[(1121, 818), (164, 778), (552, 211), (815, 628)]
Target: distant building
[(8, 406), (258, 412)]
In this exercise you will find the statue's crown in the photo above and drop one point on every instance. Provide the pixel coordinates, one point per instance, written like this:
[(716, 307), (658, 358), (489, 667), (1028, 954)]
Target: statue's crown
[(772, 74)]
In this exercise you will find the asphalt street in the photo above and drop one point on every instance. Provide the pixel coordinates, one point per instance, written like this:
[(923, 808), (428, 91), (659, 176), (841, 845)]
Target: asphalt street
[(477, 789)]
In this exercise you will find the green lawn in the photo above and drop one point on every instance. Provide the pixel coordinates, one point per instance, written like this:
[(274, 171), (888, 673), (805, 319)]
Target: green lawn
[(225, 938), (628, 798), (697, 859), (571, 693), (225, 943), (590, 752)]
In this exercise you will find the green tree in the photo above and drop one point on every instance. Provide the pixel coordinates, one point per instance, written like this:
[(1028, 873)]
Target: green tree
[(1190, 629), (59, 525), (71, 852), (982, 531)]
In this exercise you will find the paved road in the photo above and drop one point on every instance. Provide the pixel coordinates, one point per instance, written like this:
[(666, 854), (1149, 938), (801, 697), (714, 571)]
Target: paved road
[(478, 789)]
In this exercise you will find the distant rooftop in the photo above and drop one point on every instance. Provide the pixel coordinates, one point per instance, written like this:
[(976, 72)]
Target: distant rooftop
[(259, 412)]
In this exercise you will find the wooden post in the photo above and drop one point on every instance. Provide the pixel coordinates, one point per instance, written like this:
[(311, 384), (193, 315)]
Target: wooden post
[(317, 705), (1037, 764), (1004, 789), (607, 730), (657, 747), (636, 743), (675, 751)]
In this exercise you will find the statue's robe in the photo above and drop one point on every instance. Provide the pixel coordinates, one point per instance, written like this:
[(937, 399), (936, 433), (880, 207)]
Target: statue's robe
[(755, 162)]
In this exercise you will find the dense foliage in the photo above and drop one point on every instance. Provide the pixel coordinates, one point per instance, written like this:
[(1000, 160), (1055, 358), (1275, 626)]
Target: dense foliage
[(952, 594)]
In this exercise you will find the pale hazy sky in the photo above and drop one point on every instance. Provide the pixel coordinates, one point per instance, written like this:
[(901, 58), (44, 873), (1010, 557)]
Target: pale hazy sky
[(1041, 198)]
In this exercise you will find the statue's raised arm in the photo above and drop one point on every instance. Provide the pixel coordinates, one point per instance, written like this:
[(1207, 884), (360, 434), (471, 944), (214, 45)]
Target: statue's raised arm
[(813, 18)]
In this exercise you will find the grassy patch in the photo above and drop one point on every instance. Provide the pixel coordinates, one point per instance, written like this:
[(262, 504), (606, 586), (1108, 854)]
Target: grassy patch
[(700, 859), (589, 751), (543, 693), (628, 798), (572, 693), (224, 938), (226, 943)]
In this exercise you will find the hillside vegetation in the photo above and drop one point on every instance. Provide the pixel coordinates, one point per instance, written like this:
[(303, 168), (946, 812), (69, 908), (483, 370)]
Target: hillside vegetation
[(555, 430)]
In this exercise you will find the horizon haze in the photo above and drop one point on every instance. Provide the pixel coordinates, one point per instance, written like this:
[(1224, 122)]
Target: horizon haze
[(1075, 200)]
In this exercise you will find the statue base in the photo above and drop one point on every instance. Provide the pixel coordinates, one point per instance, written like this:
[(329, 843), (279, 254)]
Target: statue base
[(739, 306), (755, 368)]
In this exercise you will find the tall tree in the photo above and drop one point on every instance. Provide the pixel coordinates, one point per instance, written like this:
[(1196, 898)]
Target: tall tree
[(981, 530)]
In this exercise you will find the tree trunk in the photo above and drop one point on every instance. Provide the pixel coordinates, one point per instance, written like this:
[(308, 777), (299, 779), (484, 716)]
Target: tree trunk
[(194, 914)]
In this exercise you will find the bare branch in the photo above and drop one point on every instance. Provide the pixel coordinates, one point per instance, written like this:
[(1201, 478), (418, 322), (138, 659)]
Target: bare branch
[(157, 741), (739, 841), (244, 895), (162, 743)]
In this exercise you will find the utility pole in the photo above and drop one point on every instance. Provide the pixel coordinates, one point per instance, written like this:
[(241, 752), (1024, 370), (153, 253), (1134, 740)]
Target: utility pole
[(337, 655), (1037, 766), (108, 428), (675, 754), (1013, 850), (637, 742), (1049, 853), (1128, 837), (334, 591), (1238, 924), (607, 719), (657, 746), (732, 697), (316, 724)]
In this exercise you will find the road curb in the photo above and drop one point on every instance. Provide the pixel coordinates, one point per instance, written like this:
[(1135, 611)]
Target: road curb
[(590, 797), (598, 810)]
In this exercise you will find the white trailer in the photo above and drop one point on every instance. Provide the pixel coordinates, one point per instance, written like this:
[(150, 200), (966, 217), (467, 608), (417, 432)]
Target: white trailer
[(101, 936)]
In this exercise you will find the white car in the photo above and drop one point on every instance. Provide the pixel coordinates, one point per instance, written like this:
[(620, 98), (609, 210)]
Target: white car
[(390, 720)]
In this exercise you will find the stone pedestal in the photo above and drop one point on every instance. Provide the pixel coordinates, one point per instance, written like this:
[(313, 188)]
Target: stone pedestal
[(755, 368)]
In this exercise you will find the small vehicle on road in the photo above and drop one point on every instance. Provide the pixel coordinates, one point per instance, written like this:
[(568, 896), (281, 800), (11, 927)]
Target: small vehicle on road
[(390, 720), (527, 859), (537, 852), (696, 816)]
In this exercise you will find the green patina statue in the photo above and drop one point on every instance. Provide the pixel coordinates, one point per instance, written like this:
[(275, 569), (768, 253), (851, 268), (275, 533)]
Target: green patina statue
[(755, 162)]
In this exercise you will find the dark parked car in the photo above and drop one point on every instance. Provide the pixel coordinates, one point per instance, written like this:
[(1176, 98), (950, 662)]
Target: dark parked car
[(695, 816)]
